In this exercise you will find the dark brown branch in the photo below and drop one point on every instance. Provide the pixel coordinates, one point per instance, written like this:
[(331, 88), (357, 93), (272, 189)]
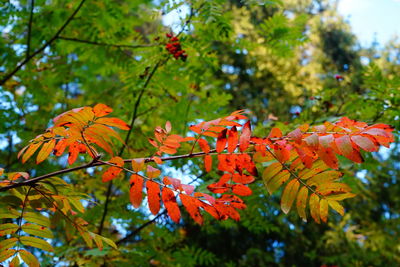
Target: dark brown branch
[(105, 44), (28, 42), (134, 117), (42, 48)]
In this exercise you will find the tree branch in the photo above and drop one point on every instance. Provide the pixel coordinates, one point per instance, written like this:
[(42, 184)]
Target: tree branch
[(43, 47), (105, 44), (28, 43), (134, 117)]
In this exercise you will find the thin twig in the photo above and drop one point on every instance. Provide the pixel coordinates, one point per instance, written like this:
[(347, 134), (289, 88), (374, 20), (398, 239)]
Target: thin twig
[(42, 48), (134, 117)]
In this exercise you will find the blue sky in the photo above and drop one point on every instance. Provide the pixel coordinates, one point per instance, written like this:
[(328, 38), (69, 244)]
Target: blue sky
[(369, 19), (372, 19)]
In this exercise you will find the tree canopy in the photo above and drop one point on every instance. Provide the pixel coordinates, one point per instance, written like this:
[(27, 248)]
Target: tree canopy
[(219, 98)]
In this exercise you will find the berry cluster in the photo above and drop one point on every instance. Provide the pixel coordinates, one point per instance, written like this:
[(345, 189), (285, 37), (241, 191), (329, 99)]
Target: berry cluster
[(174, 47)]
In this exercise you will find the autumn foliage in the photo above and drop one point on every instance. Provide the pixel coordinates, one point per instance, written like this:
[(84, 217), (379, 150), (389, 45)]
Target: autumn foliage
[(303, 163)]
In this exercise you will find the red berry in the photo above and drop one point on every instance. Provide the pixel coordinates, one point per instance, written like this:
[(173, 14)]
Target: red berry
[(312, 98), (169, 35), (338, 77), (297, 113), (174, 39)]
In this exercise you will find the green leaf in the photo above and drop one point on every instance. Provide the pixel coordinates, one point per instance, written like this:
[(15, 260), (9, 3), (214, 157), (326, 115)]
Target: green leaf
[(109, 242), (9, 214), (289, 195), (28, 258), (36, 242), (8, 228), (38, 230), (37, 218)]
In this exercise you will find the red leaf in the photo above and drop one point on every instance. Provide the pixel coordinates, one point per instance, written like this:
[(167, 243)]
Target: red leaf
[(221, 141), (60, 147), (296, 135), (192, 206), (275, 133), (153, 196), (114, 122), (242, 178), (365, 143), (170, 204), (328, 156), (188, 188), (346, 149), (241, 190), (208, 163), (233, 139), (73, 152), (112, 172), (136, 194), (244, 139), (152, 142), (205, 147), (101, 110)]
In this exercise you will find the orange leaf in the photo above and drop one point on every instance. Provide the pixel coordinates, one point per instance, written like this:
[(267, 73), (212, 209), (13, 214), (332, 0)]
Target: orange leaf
[(170, 204), (114, 122), (208, 163), (153, 196), (205, 147), (101, 110), (221, 141), (157, 160), (192, 206), (244, 139), (30, 151), (242, 178), (152, 172), (137, 164), (135, 191), (45, 151), (73, 152), (112, 172), (241, 190), (275, 133), (233, 139)]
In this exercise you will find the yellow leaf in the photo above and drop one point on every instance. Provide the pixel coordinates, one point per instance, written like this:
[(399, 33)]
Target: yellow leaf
[(30, 151), (34, 229), (289, 195), (36, 242), (314, 207), (336, 206), (323, 210), (28, 258), (301, 203), (4, 255), (37, 218), (47, 148), (277, 181), (271, 171)]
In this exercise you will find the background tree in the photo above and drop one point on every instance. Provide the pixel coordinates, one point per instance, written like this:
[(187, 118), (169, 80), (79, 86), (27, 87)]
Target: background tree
[(277, 59)]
